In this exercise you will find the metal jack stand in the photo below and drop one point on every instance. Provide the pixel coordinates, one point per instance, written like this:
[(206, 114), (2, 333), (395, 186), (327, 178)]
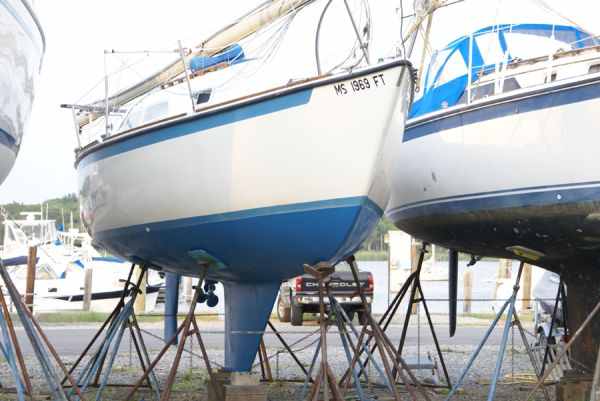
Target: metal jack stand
[(564, 352), (265, 366), (596, 382), (187, 331), (562, 298), (417, 296), (39, 343), (121, 318), (414, 283), (386, 350), (325, 380), (511, 319)]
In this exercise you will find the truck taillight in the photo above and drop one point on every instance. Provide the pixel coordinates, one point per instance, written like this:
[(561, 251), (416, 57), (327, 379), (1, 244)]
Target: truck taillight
[(298, 284), (370, 284)]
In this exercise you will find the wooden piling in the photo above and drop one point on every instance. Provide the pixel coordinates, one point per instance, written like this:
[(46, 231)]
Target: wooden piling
[(87, 289), (140, 301), (30, 280), (414, 264), (468, 290), (526, 294)]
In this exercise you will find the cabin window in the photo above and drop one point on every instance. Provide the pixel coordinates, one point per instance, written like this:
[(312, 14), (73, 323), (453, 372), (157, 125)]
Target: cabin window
[(203, 96), (156, 112), (511, 84), (594, 68), (482, 91), (133, 119)]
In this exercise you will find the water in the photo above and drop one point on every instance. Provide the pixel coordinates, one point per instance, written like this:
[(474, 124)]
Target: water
[(436, 292)]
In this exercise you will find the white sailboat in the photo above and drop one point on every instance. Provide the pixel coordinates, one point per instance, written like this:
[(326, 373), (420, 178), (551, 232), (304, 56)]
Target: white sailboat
[(21, 52), (253, 183)]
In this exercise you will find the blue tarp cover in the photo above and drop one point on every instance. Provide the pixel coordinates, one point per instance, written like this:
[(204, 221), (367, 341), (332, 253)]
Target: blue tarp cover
[(437, 96)]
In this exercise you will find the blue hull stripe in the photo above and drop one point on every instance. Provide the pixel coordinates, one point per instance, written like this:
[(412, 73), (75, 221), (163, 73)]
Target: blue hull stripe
[(538, 100), (194, 126), (544, 196), (258, 245), (8, 141)]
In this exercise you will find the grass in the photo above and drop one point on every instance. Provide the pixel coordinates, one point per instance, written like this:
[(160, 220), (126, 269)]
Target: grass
[(74, 317)]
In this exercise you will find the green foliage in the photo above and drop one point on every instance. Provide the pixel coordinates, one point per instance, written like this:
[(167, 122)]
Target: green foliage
[(376, 241), (58, 209)]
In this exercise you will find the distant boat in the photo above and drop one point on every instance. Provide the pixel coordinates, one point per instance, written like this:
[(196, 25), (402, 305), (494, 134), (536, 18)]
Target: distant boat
[(253, 186), (21, 52), (499, 154), (62, 258)]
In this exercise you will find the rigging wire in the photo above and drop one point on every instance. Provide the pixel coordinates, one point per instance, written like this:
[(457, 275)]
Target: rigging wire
[(402, 29), (544, 5)]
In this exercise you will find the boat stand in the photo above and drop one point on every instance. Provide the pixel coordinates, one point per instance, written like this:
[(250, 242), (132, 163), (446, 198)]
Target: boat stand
[(325, 380), (413, 282), (564, 352), (562, 298), (42, 347), (512, 319), (188, 328), (265, 366), (596, 381), (289, 350), (98, 368)]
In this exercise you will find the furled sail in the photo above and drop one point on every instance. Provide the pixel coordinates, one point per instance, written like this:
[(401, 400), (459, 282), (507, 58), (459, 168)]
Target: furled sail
[(247, 25)]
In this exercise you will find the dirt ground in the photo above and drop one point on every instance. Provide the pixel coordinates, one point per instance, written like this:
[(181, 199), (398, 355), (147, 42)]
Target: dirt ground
[(286, 391)]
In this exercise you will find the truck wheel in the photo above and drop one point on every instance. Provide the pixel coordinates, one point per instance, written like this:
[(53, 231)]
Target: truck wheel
[(296, 315), (283, 312), (363, 317)]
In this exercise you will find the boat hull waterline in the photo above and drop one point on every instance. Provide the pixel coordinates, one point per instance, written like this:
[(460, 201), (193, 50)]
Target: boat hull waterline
[(507, 176), (20, 60), (254, 189)]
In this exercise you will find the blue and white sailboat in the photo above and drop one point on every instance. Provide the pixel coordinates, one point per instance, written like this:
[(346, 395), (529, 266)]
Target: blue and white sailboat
[(252, 185), (21, 52), (499, 154)]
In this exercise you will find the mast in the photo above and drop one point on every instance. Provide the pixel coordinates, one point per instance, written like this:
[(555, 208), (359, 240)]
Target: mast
[(247, 25)]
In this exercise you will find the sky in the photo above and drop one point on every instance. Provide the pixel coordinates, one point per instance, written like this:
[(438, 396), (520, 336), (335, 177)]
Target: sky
[(77, 32)]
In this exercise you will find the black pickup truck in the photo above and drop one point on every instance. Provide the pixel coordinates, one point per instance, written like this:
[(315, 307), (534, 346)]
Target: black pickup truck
[(300, 295)]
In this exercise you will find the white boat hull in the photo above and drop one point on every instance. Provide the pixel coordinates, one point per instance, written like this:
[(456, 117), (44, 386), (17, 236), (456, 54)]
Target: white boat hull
[(519, 173), (313, 150), (21, 52), (253, 189)]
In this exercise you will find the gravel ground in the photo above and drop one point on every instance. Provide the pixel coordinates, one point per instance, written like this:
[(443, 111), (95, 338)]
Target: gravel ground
[(191, 378)]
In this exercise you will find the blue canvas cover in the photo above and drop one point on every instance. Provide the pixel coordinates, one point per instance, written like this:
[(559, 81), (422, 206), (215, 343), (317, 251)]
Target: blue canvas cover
[(438, 95), (231, 55)]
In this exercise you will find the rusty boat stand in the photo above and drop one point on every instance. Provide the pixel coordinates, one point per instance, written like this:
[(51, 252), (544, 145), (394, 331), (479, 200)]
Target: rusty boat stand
[(354, 342), (43, 349), (412, 283), (188, 328)]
